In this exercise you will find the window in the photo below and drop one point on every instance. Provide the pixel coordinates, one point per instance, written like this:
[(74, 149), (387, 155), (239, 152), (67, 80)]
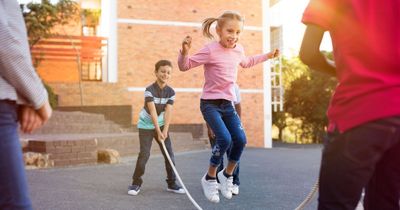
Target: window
[(91, 71)]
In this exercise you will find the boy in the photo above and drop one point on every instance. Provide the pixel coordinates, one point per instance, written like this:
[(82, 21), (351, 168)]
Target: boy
[(363, 147), (154, 120)]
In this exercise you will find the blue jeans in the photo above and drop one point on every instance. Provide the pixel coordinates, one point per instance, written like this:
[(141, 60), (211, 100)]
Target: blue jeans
[(14, 192), (235, 173), (367, 156), (146, 138), (225, 123)]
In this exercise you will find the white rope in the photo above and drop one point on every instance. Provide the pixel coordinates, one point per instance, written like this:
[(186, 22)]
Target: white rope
[(179, 178), (309, 197)]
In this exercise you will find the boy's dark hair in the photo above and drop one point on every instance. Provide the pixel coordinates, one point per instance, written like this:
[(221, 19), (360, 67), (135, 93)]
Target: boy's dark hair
[(162, 63)]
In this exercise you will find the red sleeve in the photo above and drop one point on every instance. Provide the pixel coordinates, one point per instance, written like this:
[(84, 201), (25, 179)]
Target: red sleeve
[(321, 13)]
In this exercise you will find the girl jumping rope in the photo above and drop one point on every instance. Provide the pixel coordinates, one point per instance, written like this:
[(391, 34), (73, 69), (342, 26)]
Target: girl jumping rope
[(221, 59)]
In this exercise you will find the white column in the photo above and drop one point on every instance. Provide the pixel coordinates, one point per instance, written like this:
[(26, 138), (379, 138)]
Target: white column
[(267, 76), (111, 7)]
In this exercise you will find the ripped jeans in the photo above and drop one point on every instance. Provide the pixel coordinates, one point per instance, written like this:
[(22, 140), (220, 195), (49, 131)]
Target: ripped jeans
[(225, 123)]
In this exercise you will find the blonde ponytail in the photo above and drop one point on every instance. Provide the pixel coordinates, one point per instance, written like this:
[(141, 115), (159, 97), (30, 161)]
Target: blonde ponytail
[(206, 27), (231, 15)]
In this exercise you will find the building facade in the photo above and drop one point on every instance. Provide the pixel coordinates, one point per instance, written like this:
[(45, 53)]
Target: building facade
[(138, 34)]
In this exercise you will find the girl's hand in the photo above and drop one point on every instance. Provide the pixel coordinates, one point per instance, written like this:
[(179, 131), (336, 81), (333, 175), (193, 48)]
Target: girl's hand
[(186, 45), (273, 54)]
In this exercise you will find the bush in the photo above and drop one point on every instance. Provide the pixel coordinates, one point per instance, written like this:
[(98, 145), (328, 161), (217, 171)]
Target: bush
[(53, 98)]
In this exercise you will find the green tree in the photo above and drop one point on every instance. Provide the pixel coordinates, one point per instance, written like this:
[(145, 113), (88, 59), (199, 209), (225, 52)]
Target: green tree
[(41, 19), (279, 120), (291, 70), (307, 99)]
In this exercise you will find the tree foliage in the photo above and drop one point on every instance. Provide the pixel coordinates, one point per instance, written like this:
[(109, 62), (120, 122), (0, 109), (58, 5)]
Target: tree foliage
[(292, 69), (279, 120), (307, 95), (41, 18), (308, 99)]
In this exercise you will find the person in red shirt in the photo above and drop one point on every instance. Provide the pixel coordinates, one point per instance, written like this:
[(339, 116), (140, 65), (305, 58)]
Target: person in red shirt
[(363, 145)]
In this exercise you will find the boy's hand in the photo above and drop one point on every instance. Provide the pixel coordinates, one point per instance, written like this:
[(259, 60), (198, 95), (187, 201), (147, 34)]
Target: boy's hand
[(29, 119), (186, 45), (160, 136), (273, 54), (165, 133)]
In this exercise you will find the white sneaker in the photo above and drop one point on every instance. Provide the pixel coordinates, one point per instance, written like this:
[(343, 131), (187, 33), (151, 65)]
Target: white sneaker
[(235, 189), (176, 189), (133, 189), (210, 189), (226, 184)]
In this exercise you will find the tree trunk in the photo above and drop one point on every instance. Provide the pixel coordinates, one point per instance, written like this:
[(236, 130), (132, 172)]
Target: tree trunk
[(280, 134)]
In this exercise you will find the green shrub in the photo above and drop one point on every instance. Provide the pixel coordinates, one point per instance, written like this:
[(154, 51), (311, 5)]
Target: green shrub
[(53, 98)]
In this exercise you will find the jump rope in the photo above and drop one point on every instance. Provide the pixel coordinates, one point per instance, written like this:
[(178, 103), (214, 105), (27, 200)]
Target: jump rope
[(302, 205), (309, 197), (179, 178)]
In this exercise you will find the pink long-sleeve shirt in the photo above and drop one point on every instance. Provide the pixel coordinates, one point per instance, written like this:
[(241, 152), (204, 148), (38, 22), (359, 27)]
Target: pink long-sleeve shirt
[(220, 68)]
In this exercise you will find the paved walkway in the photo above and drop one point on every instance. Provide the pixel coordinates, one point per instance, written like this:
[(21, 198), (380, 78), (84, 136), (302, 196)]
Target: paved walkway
[(272, 179)]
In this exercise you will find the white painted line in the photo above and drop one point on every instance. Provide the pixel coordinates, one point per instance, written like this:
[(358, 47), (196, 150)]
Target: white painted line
[(196, 90), (174, 23)]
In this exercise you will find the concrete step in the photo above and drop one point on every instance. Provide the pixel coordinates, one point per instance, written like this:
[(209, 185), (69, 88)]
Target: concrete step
[(78, 128), (78, 122), (76, 117)]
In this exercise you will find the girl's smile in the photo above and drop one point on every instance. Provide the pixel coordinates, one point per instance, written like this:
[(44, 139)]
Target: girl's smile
[(230, 32)]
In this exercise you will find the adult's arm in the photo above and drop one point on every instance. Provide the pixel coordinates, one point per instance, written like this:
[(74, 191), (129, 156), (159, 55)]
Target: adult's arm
[(310, 53), (15, 59)]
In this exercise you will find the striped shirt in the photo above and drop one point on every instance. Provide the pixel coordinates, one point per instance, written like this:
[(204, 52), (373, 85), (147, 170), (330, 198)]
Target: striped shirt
[(160, 97), (18, 79)]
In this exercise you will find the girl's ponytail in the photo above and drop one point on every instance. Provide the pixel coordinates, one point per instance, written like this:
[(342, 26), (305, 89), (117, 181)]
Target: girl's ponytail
[(231, 15), (206, 27)]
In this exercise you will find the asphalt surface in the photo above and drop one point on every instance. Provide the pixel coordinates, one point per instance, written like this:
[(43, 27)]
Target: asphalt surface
[(278, 178)]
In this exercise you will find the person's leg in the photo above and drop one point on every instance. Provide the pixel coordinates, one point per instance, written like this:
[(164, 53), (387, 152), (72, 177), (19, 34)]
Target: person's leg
[(234, 125), (171, 178), (235, 173), (14, 192), (348, 163), (383, 189), (145, 138), (212, 115), (221, 166)]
